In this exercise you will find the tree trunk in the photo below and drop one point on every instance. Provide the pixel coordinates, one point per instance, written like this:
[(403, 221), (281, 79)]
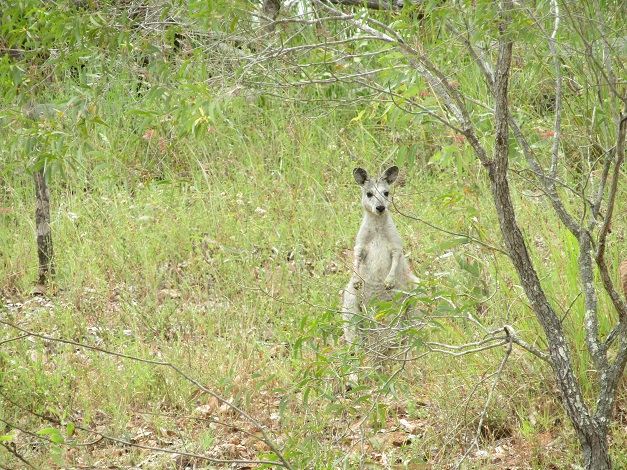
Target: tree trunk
[(44, 234), (270, 10), (592, 432), (373, 4), (596, 455)]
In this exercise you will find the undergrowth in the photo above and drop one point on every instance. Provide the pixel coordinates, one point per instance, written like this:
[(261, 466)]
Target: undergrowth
[(212, 228)]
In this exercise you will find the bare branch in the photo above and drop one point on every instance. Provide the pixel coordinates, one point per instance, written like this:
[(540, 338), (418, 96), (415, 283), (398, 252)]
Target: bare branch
[(618, 160), (335, 79), (484, 412), (609, 70), (478, 58), (591, 322), (436, 79), (596, 207), (459, 350), (13, 451), (546, 180), (298, 20), (597, 349), (372, 4), (597, 66), (557, 126), (455, 234), (283, 462), (357, 22), (619, 303), (102, 436), (13, 339)]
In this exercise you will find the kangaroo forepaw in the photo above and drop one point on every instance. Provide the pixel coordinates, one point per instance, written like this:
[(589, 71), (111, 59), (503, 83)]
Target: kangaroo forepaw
[(389, 283), (357, 285)]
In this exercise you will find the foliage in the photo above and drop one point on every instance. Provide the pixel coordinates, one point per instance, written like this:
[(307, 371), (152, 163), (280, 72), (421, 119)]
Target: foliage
[(204, 214)]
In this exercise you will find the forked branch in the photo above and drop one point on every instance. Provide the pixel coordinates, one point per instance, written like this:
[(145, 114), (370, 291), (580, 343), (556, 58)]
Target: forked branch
[(266, 438)]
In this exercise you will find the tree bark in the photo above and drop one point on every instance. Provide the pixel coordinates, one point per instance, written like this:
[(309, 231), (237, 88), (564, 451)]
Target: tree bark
[(44, 233), (270, 11), (373, 4), (591, 430)]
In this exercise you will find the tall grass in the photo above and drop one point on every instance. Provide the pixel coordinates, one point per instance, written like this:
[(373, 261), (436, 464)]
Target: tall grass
[(211, 227)]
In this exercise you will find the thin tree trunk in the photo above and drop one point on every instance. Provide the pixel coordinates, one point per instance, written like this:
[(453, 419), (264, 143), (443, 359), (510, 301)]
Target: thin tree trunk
[(373, 4), (44, 234), (270, 10), (596, 455), (592, 432)]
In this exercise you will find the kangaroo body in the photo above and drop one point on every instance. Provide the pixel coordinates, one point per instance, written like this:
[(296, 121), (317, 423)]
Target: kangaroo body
[(380, 271)]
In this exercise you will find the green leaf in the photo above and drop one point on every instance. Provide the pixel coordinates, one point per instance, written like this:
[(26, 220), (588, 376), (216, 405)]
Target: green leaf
[(57, 459), (53, 434), (141, 112), (359, 116), (453, 242), (57, 438), (47, 431), (472, 268), (306, 397)]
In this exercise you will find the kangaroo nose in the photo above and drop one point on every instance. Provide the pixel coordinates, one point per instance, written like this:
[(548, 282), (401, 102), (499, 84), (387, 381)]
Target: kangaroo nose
[(380, 209)]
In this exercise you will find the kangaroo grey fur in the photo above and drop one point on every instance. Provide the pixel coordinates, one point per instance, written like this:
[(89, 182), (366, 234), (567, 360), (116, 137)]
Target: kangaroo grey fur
[(380, 271)]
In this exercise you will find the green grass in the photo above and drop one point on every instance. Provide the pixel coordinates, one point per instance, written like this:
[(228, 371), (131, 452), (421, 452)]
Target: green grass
[(217, 268), (212, 229)]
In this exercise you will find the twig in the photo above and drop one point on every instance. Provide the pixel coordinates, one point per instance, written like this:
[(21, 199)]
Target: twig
[(547, 182), (442, 348), (13, 339), (533, 350), (14, 452), (498, 373), (267, 440), (132, 444), (456, 234), (557, 126), (617, 301), (375, 401)]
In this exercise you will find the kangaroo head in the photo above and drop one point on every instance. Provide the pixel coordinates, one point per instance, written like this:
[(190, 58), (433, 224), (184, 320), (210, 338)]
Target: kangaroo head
[(375, 192)]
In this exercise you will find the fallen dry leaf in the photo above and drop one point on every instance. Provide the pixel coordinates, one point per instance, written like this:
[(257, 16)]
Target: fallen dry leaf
[(409, 427), (204, 411), (278, 350), (214, 402), (39, 289), (171, 293)]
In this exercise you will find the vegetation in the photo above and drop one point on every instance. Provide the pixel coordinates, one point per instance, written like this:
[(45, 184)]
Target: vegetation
[(203, 211)]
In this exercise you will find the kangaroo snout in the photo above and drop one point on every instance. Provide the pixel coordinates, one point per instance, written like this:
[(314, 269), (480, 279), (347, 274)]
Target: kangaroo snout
[(380, 209)]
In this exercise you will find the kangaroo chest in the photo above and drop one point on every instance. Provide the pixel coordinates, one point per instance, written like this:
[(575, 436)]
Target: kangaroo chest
[(376, 257)]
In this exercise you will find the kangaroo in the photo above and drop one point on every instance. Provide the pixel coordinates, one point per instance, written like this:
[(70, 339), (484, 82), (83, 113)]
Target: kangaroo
[(380, 271)]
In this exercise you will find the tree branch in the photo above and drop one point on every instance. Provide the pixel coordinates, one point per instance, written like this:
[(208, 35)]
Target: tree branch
[(58, 422), (283, 462), (470, 238), (618, 302), (547, 182), (13, 451), (484, 412)]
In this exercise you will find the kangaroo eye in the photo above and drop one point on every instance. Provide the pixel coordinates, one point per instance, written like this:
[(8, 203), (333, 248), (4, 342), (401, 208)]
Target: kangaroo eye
[(386, 193), (369, 194)]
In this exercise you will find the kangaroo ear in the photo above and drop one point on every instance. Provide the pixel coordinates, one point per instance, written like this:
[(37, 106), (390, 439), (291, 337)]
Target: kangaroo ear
[(390, 174), (361, 176)]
